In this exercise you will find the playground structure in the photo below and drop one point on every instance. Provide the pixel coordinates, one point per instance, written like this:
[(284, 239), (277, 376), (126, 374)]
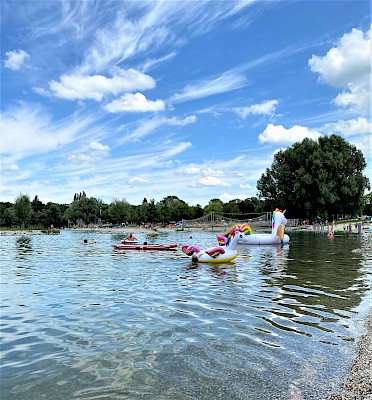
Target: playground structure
[(220, 222)]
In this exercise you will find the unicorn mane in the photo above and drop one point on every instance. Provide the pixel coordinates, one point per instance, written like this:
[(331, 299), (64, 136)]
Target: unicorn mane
[(231, 234), (222, 240), (245, 228)]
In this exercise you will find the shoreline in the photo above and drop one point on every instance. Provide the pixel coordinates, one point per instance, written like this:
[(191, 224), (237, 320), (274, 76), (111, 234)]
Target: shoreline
[(358, 385)]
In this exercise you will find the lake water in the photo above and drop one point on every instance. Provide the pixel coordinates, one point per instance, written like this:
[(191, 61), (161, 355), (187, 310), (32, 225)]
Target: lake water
[(85, 322)]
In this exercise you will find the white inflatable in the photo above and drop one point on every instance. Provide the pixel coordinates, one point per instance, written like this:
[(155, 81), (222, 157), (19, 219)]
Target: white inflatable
[(277, 235), (225, 252)]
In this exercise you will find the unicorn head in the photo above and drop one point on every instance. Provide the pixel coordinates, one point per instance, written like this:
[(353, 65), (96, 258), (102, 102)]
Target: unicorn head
[(278, 219), (231, 238)]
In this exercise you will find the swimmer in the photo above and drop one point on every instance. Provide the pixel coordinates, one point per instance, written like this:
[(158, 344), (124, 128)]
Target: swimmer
[(194, 259), (85, 241)]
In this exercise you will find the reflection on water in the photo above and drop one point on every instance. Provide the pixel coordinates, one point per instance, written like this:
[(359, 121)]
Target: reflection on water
[(87, 322)]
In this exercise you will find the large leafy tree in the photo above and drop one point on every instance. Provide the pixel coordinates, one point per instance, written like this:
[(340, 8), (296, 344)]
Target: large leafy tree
[(22, 210), (316, 177), (119, 211), (85, 209), (215, 205)]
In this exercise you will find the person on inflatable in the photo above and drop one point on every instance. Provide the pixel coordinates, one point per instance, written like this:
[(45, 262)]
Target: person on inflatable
[(130, 237)]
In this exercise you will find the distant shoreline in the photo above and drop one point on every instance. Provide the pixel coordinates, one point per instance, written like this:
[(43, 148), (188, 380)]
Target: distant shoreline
[(137, 229)]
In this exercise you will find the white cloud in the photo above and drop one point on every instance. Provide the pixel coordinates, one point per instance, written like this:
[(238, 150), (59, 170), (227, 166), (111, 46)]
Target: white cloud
[(348, 66), (95, 87), (90, 153), (358, 98), (245, 186), (27, 130), (134, 103), (266, 108), (212, 181), (154, 26), (147, 127), (277, 134), (9, 170), (351, 127), (99, 147), (179, 148), (193, 169), (138, 180), (81, 159), (15, 59), (224, 83), (226, 197), (9, 167)]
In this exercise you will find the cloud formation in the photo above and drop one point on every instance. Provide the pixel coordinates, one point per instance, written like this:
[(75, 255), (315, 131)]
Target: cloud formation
[(95, 87), (278, 135), (149, 126), (15, 59), (351, 127), (224, 83), (212, 181), (348, 66), (266, 108), (134, 103)]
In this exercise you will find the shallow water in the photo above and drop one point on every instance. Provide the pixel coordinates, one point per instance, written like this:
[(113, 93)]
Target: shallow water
[(85, 322)]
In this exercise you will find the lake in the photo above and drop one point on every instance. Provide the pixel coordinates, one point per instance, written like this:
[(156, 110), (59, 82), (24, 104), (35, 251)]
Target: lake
[(86, 322)]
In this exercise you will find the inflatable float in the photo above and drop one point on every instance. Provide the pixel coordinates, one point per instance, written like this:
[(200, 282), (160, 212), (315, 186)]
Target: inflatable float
[(171, 246), (277, 235), (225, 252), (129, 241)]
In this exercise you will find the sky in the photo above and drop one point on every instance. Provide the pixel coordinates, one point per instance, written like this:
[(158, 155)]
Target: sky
[(149, 99)]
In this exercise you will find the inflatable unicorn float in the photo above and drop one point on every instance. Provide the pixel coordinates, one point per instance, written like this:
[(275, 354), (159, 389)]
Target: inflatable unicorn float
[(225, 252), (277, 235)]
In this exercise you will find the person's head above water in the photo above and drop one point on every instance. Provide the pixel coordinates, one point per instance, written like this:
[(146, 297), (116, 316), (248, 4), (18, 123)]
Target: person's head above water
[(194, 259)]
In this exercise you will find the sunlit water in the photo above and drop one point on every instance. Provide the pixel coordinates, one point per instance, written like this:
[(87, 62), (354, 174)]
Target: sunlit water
[(85, 322)]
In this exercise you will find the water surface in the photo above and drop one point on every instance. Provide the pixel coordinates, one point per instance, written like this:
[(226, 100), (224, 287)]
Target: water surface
[(86, 322)]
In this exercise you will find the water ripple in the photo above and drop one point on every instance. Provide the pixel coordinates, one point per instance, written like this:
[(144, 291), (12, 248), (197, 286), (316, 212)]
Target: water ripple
[(87, 322)]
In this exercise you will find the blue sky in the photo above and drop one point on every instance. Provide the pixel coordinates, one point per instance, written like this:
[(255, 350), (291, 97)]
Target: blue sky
[(134, 100)]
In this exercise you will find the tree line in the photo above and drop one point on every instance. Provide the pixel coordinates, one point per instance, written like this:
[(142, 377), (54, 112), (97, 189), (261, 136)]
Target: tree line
[(311, 179), (85, 210)]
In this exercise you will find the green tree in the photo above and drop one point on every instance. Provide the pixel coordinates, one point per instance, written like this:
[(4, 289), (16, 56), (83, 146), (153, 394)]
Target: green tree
[(232, 208), (251, 205), (85, 209), (316, 177), (55, 215), (119, 211), (22, 210), (7, 217), (152, 212), (36, 204), (196, 211), (178, 209), (163, 212), (215, 205)]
